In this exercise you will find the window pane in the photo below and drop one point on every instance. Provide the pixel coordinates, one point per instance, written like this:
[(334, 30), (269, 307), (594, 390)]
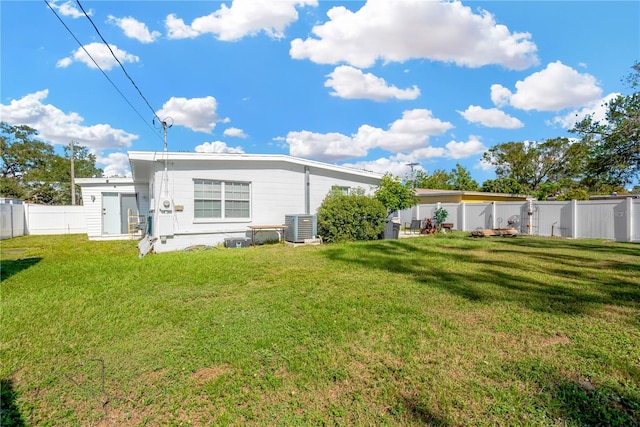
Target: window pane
[(207, 209), (236, 191), (236, 209), (207, 190)]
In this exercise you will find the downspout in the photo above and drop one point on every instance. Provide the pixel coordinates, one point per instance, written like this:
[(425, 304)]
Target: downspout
[(307, 195)]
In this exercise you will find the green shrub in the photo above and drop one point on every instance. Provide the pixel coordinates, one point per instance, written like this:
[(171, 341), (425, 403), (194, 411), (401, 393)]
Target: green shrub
[(343, 218), (440, 215)]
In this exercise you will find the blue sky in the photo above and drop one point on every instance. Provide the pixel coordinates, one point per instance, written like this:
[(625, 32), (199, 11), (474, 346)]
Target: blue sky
[(375, 85)]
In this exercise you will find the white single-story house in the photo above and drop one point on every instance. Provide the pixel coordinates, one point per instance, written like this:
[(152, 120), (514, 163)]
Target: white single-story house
[(189, 199)]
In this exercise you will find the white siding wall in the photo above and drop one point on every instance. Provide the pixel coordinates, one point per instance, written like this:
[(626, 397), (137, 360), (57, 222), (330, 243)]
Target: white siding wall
[(277, 189), (93, 209)]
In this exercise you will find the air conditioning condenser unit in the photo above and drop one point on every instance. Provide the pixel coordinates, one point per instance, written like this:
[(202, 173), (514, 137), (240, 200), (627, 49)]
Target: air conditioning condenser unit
[(300, 227)]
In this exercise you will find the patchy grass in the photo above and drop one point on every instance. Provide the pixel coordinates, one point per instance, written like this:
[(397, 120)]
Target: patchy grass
[(437, 330)]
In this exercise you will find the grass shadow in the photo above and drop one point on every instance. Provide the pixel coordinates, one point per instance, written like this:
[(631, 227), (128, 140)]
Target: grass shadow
[(572, 401), (418, 412), (10, 267), (540, 276), (9, 413), (595, 405)]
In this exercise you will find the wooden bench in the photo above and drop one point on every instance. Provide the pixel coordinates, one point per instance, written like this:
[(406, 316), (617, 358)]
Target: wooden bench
[(447, 226)]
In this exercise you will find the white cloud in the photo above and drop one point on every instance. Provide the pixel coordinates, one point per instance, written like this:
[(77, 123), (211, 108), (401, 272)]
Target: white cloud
[(399, 30), (235, 132), (100, 53), (500, 95), (177, 29), (409, 133), (424, 153), (351, 83), (243, 18), (398, 164), (597, 110), (197, 114), (135, 29), (555, 88), (327, 147), (57, 127), (382, 165), (114, 164), (491, 117), (69, 9), (462, 150), (484, 165), (218, 147)]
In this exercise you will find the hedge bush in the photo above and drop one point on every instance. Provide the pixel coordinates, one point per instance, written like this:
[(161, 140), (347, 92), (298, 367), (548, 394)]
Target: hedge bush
[(343, 218)]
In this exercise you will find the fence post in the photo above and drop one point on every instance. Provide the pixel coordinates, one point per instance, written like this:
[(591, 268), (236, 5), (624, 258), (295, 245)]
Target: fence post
[(574, 219), (26, 219), (463, 225), (493, 215), (629, 213)]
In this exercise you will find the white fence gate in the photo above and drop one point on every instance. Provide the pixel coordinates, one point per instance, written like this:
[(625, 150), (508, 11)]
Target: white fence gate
[(617, 219)]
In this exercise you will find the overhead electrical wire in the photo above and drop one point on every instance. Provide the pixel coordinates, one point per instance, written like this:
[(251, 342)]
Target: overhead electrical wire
[(117, 60), (103, 72)]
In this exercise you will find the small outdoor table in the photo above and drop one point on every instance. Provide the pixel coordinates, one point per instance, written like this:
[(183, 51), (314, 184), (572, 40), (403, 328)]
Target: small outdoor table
[(256, 228)]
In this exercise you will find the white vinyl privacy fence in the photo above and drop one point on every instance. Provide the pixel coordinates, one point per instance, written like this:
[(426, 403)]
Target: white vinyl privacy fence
[(12, 222), (615, 219), (18, 219)]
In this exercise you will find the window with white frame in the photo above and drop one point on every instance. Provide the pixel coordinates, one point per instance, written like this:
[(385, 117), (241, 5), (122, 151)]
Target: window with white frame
[(221, 199), (344, 190)]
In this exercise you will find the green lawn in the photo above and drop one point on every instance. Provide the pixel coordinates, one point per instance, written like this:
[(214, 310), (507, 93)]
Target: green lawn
[(436, 330)]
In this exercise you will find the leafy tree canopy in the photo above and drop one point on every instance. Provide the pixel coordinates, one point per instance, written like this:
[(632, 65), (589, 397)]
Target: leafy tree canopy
[(458, 179), (614, 144), (32, 171), (507, 185), (528, 167), (394, 194)]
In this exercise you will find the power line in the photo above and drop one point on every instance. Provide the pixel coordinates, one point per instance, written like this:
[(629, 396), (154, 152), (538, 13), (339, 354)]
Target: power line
[(118, 61), (101, 70)]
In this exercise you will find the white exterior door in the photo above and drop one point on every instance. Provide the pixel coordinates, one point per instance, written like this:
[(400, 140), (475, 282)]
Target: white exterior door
[(111, 213)]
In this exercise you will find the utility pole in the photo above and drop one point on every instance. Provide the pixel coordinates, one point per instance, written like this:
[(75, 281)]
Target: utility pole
[(73, 178), (413, 176)]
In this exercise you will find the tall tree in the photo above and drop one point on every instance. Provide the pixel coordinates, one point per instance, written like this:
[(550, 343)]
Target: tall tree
[(504, 184), (438, 180), (614, 144), (460, 179), (32, 171), (23, 158), (531, 164)]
